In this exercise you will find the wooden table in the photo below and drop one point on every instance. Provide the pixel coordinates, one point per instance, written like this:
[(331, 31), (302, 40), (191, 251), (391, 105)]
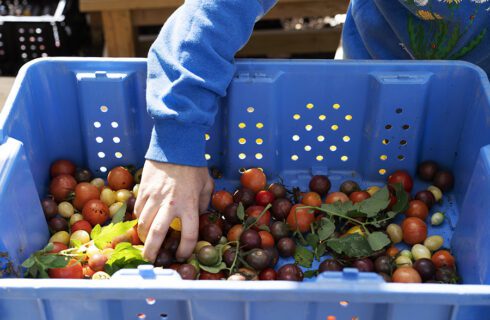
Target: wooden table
[(121, 18)]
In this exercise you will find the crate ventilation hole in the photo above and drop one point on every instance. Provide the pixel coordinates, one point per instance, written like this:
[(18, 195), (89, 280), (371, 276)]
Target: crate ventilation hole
[(386, 141), (99, 140), (308, 127), (242, 141)]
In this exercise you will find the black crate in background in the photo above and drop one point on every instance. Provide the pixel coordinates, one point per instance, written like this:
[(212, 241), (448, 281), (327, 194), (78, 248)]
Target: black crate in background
[(40, 28)]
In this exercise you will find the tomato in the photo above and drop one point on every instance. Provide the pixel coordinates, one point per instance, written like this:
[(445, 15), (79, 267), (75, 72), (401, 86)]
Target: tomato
[(263, 198), (95, 212), (73, 270), (392, 251), (81, 225), (359, 196), (402, 177), (120, 178), (132, 234), (406, 275), (268, 274), (235, 232), (60, 167), (210, 218), (58, 246), (393, 201), (336, 196), (300, 219), (61, 186), (85, 192), (97, 262), (414, 230), (418, 209), (204, 275), (253, 179), (255, 211), (221, 200), (267, 239), (88, 272), (443, 258), (311, 199)]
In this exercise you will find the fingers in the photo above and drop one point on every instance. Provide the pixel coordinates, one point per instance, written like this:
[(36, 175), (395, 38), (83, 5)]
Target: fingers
[(147, 217), (205, 196), (157, 233), (189, 233), (140, 204)]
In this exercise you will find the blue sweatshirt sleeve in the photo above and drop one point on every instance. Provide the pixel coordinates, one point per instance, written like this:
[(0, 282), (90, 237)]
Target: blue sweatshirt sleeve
[(190, 66)]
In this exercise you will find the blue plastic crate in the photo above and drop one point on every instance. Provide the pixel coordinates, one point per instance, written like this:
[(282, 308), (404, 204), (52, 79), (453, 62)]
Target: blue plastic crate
[(294, 119)]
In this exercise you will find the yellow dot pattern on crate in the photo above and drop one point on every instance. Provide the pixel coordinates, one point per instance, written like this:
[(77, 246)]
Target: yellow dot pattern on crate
[(242, 125), (344, 158), (309, 106), (176, 224), (259, 141), (242, 141), (296, 117), (259, 125), (319, 158)]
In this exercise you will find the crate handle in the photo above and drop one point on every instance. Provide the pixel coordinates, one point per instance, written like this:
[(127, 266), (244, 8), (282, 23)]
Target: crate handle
[(350, 274)]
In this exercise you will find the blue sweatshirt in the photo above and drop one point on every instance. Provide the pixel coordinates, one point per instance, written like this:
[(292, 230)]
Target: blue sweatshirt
[(191, 63)]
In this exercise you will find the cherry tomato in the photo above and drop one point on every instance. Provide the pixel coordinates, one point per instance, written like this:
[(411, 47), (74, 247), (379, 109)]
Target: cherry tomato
[(88, 272), (300, 219), (263, 198), (58, 246), (443, 258), (255, 211), (268, 274), (336, 196), (414, 230), (267, 239), (81, 225), (406, 275), (210, 218), (359, 196), (235, 232), (132, 234), (61, 186), (73, 270), (95, 212), (120, 178), (60, 167), (204, 275), (97, 262), (221, 200), (393, 201), (418, 209), (312, 199), (402, 177), (253, 179), (85, 192), (392, 251)]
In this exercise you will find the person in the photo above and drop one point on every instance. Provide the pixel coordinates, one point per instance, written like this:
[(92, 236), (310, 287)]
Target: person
[(191, 64)]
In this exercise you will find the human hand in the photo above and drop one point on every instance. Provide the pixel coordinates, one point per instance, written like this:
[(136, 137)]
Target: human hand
[(169, 191)]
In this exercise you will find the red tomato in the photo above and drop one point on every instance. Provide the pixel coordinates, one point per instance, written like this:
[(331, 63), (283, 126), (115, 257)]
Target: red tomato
[(414, 230), (443, 258), (402, 177), (61, 186), (235, 232), (267, 239), (88, 272), (57, 247), (311, 199), (263, 198), (359, 196), (392, 251), (96, 212), (81, 225), (73, 270), (132, 234), (204, 275), (254, 179), (268, 274), (336, 196), (221, 200), (406, 275), (393, 201), (300, 219), (418, 209), (60, 167), (255, 211), (175, 266), (85, 192), (120, 178)]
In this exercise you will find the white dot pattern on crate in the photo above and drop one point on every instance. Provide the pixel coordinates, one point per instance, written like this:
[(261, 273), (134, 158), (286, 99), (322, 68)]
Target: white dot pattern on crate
[(114, 124), (116, 139)]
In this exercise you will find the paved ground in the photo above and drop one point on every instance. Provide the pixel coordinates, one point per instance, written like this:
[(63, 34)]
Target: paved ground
[(5, 85)]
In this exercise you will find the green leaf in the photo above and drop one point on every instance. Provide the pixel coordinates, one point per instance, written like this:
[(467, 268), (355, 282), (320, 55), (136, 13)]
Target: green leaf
[(320, 250), (119, 215), (47, 259), (125, 256), (378, 240), (75, 243), (327, 228), (29, 262), (265, 228), (59, 262), (240, 212), (95, 231), (401, 199), (303, 256), (310, 273), (353, 245), (378, 202), (312, 240), (108, 233), (48, 248), (214, 269)]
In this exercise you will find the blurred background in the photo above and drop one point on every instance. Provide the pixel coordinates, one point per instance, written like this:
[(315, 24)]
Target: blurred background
[(31, 29)]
